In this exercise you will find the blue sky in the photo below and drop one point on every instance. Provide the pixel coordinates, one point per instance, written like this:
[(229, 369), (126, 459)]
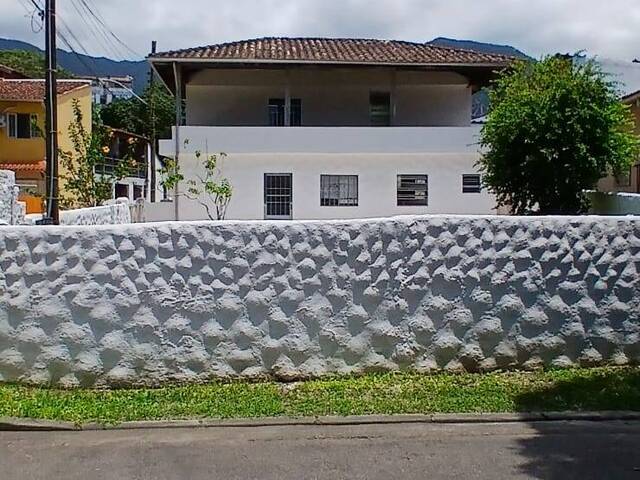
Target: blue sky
[(606, 28)]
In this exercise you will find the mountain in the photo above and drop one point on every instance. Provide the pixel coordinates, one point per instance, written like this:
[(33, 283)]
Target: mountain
[(480, 47), (86, 65)]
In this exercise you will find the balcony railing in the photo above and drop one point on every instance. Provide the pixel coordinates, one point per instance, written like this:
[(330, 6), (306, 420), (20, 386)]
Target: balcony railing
[(110, 165)]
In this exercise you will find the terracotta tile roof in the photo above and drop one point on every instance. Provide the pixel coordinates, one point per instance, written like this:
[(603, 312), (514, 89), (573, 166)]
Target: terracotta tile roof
[(336, 50), (33, 90), (39, 166)]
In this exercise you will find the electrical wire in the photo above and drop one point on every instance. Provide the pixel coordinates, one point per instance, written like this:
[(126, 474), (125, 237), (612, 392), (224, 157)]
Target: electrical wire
[(105, 42), (98, 16)]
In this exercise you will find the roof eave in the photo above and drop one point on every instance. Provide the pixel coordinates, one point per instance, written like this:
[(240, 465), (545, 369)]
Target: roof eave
[(158, 64)]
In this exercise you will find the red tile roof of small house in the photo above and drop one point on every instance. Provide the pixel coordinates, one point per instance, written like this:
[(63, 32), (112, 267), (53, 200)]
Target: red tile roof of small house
[(336, 51), (33, 90), (37, 166)]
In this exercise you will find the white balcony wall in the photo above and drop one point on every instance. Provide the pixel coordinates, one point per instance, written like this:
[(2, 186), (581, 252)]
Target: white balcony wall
[(337, 97)]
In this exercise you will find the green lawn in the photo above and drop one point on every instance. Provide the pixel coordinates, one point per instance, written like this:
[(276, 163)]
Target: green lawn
[(554, 390)]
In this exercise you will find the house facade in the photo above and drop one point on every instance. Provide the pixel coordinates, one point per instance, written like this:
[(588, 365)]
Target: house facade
[(136, 151), (22, 116), (629, 181), (330, 128)]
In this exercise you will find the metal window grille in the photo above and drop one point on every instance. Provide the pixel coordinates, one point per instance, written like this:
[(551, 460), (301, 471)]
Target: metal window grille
[(413, 190), (339, 190), (278, 195), (471, 183)]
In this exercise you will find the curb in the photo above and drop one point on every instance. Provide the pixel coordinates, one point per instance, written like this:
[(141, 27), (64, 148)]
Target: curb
[(33, 425)]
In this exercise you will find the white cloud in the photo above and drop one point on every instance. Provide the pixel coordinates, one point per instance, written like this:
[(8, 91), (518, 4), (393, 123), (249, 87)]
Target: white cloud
[(609, 29)]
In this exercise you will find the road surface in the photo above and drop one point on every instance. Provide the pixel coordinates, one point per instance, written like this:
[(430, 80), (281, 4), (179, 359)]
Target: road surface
[(548, 450)]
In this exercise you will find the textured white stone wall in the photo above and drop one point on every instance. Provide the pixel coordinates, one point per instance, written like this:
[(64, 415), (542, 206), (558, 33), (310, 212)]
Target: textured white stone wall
[(112, 214), (12, 212), (150, 303)]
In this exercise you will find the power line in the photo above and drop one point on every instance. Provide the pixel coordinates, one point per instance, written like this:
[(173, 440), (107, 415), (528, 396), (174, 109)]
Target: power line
[(98, 17), (97, 31)]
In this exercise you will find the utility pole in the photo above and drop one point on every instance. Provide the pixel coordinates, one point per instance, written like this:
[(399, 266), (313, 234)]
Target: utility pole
[(51, 107), (152, 114)]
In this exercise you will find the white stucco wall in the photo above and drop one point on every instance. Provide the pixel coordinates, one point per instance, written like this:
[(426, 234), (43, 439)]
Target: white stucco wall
[(116, 213), (376, 155), (156, 303), (337, 97), (377, 184)]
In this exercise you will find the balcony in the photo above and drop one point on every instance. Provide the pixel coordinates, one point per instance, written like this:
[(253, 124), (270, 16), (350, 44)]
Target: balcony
[(374, 140)]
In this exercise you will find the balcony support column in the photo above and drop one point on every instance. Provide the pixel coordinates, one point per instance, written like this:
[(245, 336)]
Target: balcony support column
[(177, 72), (287, 100)]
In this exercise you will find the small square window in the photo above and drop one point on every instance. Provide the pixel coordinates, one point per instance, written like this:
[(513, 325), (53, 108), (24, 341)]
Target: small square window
[(21, 126), (338, 190), (471, 183), (413, 190)]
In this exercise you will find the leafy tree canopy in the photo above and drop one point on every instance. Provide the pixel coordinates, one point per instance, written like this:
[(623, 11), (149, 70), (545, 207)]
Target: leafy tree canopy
[(555, 128), (134, 116), (87, 182), (28, 63)]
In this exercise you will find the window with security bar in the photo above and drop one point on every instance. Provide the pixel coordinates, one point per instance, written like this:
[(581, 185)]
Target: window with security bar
[(338, 190), (278, 195), (471, 183), (413, 190)]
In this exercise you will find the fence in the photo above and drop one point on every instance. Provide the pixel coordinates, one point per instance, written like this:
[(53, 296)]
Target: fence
[(155, 303)]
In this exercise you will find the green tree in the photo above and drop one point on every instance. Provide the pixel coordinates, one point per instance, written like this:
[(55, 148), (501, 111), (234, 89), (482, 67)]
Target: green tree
[(83, 187), (137, 117), (210, 189), (30, 64), (555, 128)]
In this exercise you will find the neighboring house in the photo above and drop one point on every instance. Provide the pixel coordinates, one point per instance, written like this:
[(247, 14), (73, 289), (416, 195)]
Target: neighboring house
[(134, 149), (331, 128), (8, 72), (626, 76), (105, 90), (22, 115)]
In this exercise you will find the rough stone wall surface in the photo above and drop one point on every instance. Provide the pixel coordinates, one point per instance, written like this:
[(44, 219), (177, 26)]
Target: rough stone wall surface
[(113, 214), (151, 303), (12, 211)]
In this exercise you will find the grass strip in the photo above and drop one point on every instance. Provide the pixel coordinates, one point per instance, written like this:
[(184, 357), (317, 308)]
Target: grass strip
[(393, 393)]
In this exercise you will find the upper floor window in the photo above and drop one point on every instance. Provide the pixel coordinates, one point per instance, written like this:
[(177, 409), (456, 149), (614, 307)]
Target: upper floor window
[(23, 125), (380, 109), (471, 183), (277, 112), (413, 190), (339, 190)]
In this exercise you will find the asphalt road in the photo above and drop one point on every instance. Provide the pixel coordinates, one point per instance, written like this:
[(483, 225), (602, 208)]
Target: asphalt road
[(549, 450)]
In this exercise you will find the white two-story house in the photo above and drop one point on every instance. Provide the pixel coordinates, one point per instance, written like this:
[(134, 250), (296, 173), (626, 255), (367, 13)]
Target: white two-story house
[(319, 128)]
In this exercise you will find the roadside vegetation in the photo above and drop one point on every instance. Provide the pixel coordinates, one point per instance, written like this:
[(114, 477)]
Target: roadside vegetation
[(401, 393), (554, 129)]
